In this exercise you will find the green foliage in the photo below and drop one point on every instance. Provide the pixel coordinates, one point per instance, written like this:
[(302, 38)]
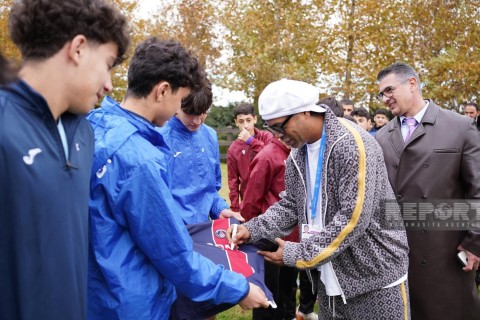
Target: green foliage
[(220, 117)]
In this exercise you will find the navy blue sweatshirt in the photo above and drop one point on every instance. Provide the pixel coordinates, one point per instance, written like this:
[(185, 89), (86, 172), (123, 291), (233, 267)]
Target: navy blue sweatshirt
[(43, 209)]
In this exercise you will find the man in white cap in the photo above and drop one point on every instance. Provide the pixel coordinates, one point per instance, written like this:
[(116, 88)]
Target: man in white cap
[(337, 184)]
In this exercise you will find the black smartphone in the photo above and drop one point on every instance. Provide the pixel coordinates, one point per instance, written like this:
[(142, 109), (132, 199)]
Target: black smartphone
[(265, 244)]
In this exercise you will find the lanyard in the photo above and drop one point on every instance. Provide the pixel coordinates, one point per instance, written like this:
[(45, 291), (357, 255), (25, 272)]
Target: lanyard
[(318, 178)]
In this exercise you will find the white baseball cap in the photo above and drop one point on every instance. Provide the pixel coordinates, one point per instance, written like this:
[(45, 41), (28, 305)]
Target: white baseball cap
[(285, 97)]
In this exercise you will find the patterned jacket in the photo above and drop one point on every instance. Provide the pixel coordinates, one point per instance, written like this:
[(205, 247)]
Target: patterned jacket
[(366, 254)]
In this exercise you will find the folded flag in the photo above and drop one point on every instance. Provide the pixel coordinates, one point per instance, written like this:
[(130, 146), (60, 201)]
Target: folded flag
[(209, 239)]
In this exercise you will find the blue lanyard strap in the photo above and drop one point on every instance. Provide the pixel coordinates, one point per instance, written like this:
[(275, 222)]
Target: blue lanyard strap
[(318, 178)]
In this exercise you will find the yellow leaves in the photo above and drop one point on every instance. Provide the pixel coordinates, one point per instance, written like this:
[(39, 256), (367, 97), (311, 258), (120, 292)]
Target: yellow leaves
[(340, 45), (7, 48)]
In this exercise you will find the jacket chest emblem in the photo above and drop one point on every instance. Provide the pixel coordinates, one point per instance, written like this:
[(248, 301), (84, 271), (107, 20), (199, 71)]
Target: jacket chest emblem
[(30, 158), (244, 151), (101, 172)]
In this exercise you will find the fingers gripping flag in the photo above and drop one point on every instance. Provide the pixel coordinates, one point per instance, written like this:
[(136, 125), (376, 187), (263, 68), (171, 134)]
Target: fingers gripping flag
[(209, 239)]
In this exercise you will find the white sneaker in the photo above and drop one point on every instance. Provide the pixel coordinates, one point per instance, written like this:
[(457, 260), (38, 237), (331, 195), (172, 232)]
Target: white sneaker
[(302, 316)]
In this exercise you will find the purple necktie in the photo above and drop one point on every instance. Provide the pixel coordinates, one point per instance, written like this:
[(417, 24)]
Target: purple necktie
[(412, 125)]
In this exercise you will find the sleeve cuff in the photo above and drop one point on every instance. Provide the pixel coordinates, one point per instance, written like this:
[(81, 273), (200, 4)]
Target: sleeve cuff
[(249, 140)]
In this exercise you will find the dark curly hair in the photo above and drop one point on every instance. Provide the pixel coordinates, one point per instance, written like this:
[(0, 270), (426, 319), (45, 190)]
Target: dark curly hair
[(157, 60), (199, 100), (40, 28), (243, 109)]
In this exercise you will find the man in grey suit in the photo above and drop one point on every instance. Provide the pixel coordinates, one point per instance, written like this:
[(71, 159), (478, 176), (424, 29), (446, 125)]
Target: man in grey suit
[(432, 154)]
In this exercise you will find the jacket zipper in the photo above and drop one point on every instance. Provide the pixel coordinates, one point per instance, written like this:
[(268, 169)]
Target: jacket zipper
[(58, 139), (324, 209)]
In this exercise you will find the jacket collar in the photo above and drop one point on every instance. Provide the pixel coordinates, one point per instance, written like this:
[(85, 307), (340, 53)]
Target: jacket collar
[(176, 124), (334, 130), (396, 138), (145, 127), (32, 100), (281, 145), (430, 116)]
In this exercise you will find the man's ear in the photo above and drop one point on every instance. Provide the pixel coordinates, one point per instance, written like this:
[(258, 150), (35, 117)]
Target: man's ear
[(161, 89), (254, 119), (76, 48)]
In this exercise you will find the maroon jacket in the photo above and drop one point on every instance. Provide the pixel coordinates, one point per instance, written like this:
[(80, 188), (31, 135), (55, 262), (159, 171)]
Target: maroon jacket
[(239, 157), (267, 180)]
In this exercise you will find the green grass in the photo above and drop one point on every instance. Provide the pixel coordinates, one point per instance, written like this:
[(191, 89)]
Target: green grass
[(235, 313), (224, 190)]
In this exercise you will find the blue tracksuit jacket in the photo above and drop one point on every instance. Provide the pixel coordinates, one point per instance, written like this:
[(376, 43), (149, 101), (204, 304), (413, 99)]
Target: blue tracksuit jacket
[(194, 165), (140, 248)]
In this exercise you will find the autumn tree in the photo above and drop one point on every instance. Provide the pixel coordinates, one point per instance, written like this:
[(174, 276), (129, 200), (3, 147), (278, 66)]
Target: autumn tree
[(449, 52), (141, 28), (7, 48), (338, 45), (437, 37), (267, 41), (192, 23)]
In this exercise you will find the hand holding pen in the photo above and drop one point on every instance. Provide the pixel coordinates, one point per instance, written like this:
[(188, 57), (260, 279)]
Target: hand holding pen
[(237, 234)]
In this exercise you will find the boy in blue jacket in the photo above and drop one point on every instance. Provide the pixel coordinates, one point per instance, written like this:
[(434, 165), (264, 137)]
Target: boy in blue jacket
[(194, 153), (46, 150), (141, 252)]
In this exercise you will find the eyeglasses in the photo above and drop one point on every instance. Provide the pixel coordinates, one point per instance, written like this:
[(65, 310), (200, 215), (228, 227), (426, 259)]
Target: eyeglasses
[(278, 128), (388, 91)]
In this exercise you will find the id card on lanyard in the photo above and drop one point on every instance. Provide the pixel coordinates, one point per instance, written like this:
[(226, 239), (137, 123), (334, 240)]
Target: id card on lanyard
[(310, 229), (318, 177)]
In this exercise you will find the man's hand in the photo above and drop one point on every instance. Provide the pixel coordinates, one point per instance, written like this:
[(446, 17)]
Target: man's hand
[(277, 256), (227, 213), (240, 237), (256, 298), (244, 135), (472, 260)]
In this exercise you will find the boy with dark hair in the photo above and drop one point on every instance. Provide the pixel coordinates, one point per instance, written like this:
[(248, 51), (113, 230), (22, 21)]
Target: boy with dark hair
[(362, 117), (141, 250), (195, 154), (242, 151), (68, 49), (380, 119)]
